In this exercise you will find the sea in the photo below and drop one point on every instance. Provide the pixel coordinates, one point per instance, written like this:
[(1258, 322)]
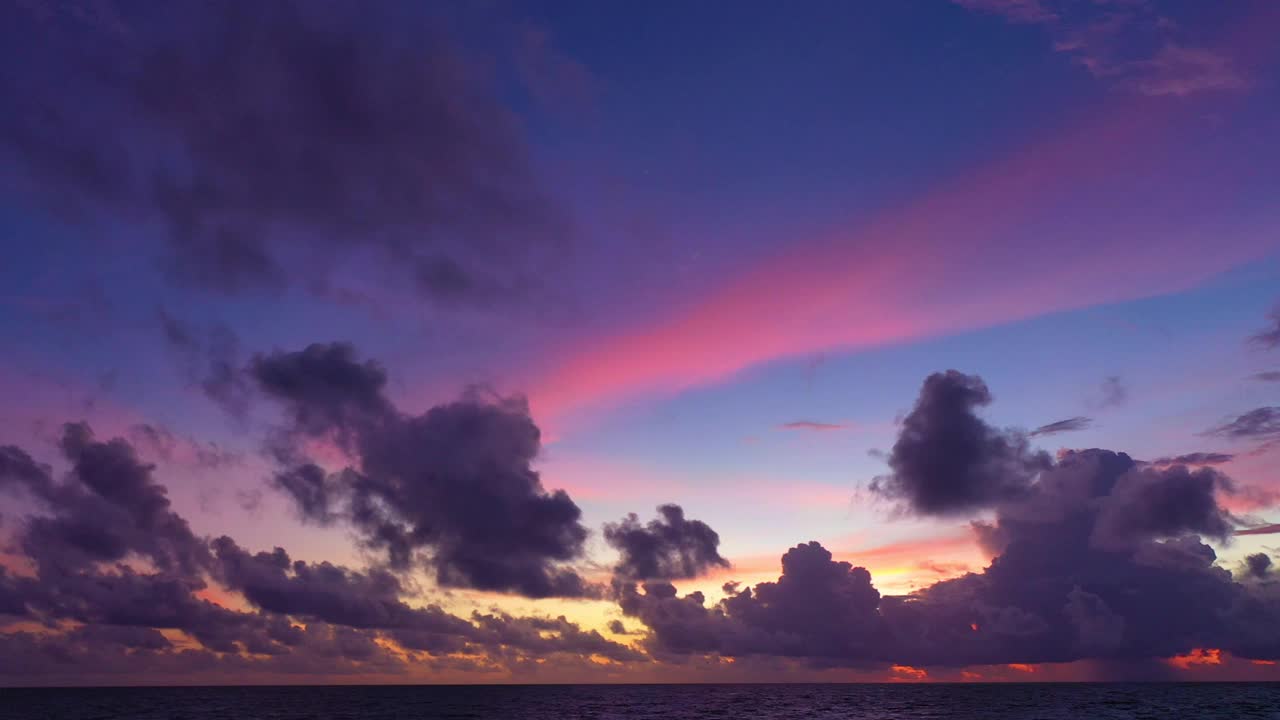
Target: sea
[(1083, 701)]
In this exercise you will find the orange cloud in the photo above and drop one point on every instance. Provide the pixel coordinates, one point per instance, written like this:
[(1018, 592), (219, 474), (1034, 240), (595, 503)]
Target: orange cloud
[(1023, 667), (906, 672), (1198, 656)]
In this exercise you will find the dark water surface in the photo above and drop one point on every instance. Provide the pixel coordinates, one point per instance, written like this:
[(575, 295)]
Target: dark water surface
[(668, 702)]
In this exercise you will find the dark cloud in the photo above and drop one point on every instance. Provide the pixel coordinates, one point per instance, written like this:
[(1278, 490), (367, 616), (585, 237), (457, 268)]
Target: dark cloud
[(1099, 559), (1061, 426), (1196, 458), (107, 508), (1269, 337), (812, 425), (667, 548), (1258, 565), (455, 481), (313, 491), (1146, 502), (1263, 422), (542, 636), (209, 360), (109, 511), (268, 139), (323, 591), (1268, 376), (325, 389), (947, 460)]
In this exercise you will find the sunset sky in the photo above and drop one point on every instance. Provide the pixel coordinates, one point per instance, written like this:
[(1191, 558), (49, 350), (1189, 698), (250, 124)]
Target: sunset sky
[(341, 340)]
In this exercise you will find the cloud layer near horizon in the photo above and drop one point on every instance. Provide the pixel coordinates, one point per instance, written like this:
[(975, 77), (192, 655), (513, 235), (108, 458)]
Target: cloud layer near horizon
[(1094, 555)]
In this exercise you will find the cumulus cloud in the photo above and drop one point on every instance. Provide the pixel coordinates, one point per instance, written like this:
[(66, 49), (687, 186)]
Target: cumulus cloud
[(667, 548), (113, 565), (455, 482), (1258, 565), (948, 460), (1101, 558), (268, 139)]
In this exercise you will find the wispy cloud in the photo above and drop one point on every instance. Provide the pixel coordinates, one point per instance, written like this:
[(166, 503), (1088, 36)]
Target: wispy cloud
[(1263, 422), (1196, 458), (813, 425), (1061, 426), (1132, 45), (1022, 11), (1269, 338), (1111, 393)]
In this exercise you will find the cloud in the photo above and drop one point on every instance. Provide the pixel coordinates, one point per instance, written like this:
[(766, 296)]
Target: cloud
[(456, 480), (947, 460), (1146, 502), (209, 360), (269, 140), (1268, 376), (1061, 426), (1180, 71), (1263, 422), (1098, 559), (1112, 393), (325, 389), (1269, 338), (167, 447), (667, 548), (1258, 565), (313, 490), (108, 508), (1196, 458), (812, 425), (108, 517), (1133, 45), (1096, 556)]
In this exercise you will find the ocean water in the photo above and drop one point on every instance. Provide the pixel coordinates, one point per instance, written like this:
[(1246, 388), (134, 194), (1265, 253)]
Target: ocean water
[(1086, 701)]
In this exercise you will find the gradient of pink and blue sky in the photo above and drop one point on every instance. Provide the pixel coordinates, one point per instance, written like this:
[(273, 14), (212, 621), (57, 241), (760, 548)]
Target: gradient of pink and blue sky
[(772, 222)]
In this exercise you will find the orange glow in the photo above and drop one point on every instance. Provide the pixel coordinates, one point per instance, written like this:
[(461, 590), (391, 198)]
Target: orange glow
[(906, 672), (1198, 656), (973, 627), (967, 675), (896, 567), (1023, 667), (1263, 662)]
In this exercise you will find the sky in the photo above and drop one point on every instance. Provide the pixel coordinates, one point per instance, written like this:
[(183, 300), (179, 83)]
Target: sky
[(618, 342)]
